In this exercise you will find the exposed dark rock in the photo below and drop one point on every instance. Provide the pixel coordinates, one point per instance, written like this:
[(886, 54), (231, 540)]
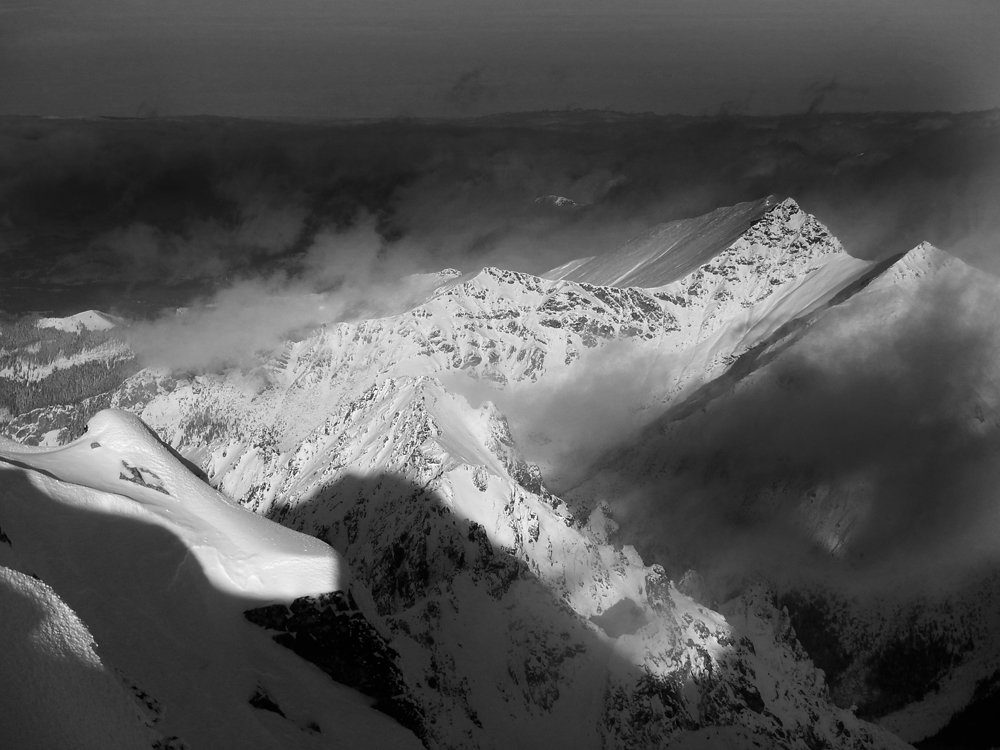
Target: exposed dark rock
[(817, 630), (658, 589), (142, 477), (331, 632), (171, 743), (264, 702)]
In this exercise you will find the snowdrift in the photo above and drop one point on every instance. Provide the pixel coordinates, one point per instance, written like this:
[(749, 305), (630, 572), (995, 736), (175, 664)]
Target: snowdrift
[(161, 568)]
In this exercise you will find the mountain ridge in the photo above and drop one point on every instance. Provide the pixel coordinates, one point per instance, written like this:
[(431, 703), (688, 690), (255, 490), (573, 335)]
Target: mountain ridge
[(667, 252)]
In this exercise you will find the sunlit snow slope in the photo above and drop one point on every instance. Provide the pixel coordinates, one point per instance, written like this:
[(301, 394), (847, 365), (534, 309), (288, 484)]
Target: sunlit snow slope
[(666, 252), (161, 568)]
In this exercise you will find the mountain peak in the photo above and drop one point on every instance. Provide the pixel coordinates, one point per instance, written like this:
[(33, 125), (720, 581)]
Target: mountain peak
[(89, 320), (673, 250), (922, 260)]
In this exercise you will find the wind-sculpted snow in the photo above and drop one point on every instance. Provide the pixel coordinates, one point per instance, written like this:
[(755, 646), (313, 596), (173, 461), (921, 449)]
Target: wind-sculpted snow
[(161, 568), (56, 692), (667, 252), (239, 551)]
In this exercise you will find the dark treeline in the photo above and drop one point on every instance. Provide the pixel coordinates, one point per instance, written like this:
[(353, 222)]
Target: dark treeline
[(22, 340), (65, 385), (24, 348)]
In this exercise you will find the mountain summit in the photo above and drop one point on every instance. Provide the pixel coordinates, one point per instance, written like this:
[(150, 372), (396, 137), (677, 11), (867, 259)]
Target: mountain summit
[(670, 251)]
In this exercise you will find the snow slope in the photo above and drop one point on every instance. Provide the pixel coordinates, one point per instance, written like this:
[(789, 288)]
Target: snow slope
[(240, 552), (161, 568), (56, 691), (668, 251), (90, 320)]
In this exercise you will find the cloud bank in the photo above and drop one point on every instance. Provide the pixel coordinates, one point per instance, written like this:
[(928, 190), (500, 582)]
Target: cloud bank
[(865, 452), (208, 211)]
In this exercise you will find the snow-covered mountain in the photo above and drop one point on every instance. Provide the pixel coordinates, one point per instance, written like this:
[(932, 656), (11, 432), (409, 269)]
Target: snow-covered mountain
[(89, 320), (510, 616), (666, 252)]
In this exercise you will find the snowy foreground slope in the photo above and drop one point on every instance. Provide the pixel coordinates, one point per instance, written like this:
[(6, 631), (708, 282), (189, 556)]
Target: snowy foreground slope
[(517, 619), (161, 568), (56, 692)]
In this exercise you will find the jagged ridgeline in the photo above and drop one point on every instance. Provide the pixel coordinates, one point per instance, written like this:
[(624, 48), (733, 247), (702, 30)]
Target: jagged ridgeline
[(494, 611)]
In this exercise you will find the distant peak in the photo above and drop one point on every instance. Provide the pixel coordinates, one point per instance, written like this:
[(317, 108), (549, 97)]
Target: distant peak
[(89, 320), (922, 259), (926, 250), (556, 200), (674, 249)]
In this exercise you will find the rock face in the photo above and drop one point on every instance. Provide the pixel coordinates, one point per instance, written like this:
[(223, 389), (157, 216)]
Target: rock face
[(331, 632), (511, 619)]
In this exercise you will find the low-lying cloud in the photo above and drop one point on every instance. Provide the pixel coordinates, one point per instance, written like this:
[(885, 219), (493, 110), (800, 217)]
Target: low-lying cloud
[(568, 420), (243, 210), (896, 418), (340, 277)]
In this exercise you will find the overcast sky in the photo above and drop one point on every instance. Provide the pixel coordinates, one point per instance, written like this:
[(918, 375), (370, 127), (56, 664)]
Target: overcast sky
[(385, 58)]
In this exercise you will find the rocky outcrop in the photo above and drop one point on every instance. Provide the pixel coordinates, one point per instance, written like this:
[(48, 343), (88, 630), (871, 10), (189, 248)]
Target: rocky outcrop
[(332, 633)]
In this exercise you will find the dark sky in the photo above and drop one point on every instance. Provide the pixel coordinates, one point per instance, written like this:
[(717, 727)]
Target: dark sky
[(385, 58)]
